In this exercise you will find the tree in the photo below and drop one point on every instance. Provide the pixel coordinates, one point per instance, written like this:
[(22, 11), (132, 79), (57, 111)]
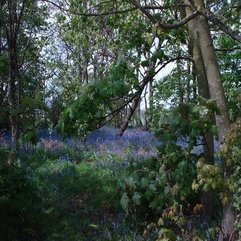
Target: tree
[(19, 28), (153, 46), (214, 85)]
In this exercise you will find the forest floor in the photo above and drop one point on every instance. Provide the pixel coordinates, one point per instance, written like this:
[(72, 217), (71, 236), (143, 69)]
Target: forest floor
[(68, 189), (72, 189)]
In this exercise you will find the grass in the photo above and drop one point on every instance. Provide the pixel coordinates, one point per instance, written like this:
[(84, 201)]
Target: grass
[(67, 189)]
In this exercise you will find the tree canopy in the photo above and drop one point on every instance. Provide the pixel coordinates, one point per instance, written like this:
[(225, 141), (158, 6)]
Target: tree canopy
[(77, 65)]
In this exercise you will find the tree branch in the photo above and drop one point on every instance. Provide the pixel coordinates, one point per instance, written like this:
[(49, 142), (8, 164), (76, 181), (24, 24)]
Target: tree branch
[(233, 34), (123, 11), (90, 14), (164, 25), (134, 101), (228, 49)]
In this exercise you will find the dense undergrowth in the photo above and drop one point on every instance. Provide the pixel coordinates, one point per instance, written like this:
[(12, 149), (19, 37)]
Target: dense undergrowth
[(104, 187), (68, 189)]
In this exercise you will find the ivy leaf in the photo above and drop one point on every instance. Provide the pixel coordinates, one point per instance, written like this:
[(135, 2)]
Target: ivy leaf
[(148, 193)]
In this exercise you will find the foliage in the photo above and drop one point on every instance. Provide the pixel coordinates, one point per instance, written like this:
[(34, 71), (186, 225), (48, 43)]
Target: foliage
[(21, 41), (210, 176), (231, 151), (67, 189), (165, 183), (188, 120), (22, 217), (229, 61), (97, 100), (93, 58)]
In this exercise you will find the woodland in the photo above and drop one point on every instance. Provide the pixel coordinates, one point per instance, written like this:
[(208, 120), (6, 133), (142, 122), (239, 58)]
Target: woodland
[(120, 120)]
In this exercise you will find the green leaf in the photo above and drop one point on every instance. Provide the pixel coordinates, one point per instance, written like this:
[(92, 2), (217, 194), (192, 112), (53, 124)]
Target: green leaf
[(145, 63), (148, 193), (153, 204), (124, 201), (130, 182), (152, 187), (144, 182), (136, 198)]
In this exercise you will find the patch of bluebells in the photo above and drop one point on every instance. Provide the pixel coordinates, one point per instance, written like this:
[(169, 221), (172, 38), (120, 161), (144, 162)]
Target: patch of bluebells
[(65, 158), (106, 140), (135, 141), (49, 135), (68, 164), (5, 137)]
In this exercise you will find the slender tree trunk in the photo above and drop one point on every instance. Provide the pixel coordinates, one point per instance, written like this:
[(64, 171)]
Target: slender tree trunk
[(130, 113), (11, 30), (85, 63), (13, 93), (187, 90), (151, 102), (217, 94), (145, 111), (203, 89)]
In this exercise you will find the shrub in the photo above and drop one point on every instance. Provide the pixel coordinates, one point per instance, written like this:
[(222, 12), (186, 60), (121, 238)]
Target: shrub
[(20, 207)]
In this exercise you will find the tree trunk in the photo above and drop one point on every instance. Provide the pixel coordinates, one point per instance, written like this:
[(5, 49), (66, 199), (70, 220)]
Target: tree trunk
[(13, 95), (130, 112), (202, 82), (11, 29), (85, 64), (217, 94)]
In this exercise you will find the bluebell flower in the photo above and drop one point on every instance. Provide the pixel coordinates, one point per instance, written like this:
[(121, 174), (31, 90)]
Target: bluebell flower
[(115, 224)]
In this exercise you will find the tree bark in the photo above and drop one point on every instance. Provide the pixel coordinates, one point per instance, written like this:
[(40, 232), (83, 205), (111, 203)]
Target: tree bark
[(131, 111), (11, 26), (217, 94), (203, 89)]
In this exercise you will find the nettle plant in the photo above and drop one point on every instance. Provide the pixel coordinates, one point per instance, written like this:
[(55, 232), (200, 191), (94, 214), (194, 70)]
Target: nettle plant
[(152, 186)]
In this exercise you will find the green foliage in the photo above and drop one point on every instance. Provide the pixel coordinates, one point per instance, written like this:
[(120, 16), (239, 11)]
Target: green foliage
[(229, 60), (231, 152), (50, 195), (146, 188), (98, 100), (21, 214), (28, 135), (161, 184), (211, 176), (188, 120)]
